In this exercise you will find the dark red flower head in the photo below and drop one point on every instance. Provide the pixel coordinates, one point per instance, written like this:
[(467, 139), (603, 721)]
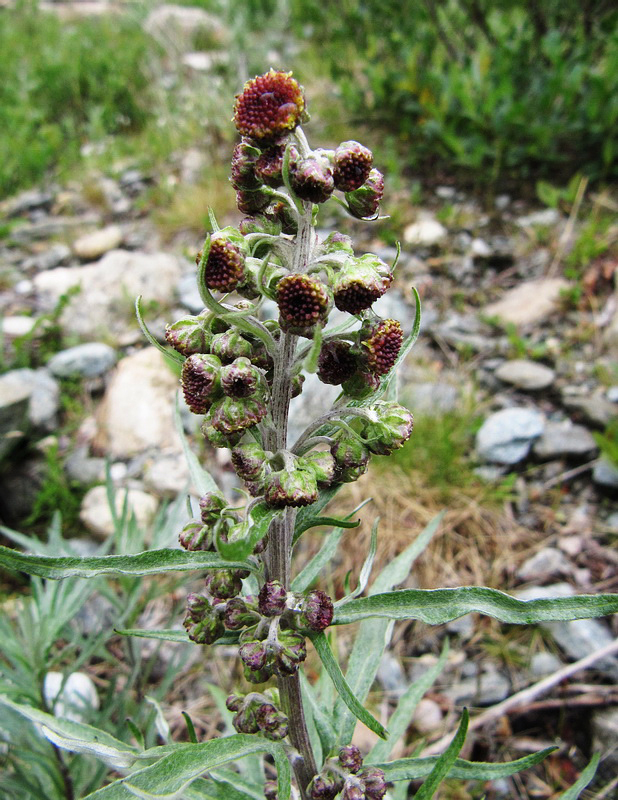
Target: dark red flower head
[(269, 106), (383, 344), (303, 303), (225, 267), (353, 164)]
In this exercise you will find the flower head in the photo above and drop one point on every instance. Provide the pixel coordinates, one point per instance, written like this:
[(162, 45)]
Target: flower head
[(225, 265), (353, 164), (383, 343), (200, 381), (336, 362), (364, 202), (304, 302), (360, 283), (269, 106)]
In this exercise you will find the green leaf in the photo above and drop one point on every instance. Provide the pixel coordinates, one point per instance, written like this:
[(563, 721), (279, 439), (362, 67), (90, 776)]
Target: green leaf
[(444, 763), (190, 728), (201, 478), (315, 522), (345, 693), (174, 635), (436, 606), (151, 562), (310, 572), (401, 716), (308, 513), (365, 572), (78, 737), (168, 778), (173, 355), (412, 769), (321, 720), (256, 524), (584, 779)]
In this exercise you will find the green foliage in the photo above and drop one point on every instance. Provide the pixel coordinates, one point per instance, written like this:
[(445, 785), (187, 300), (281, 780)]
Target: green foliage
[(496, 89), (608, 441), (56, 491)]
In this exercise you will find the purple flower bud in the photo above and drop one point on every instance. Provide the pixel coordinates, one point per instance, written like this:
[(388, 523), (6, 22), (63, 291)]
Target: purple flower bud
[(241, 378), (189, 335), (211, 505), (258, 675), (269, 166), (360, 283), (225, 266), (325, 786), (350, 758), (270, 790), (382, 342), (223, 583), (269, 106), (336, 362), (291, 651), (322, 464), (248, 461), (230, 345), (296, 487), (255, 654), (237, 614), (390, 428), (297, 384), (316, 611), (304, 302), (353, 789), (200, 381), (272, 599), (245, 720), (272, 722), (233, 702), (244, 159), (353, 164), (351, 459), (311, 179), (375, 782), (202, 623), (363, 203), (281, 214), (361, 385), (218, 439), (259, 224), (337, 242), (195, 536), (252, 202), (230, 415), (198, 606)]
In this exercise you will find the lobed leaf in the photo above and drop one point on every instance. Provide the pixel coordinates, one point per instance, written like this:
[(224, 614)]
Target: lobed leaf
[(151, 562), (436, 606), (345, 692)]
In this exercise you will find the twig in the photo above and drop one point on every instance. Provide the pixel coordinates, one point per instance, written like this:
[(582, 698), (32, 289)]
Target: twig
[(599, 699), (570, 473), (606, 791), (526, 696), (567, 233)]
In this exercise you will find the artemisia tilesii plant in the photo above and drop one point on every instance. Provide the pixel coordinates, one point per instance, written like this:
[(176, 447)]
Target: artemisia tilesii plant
[(300, 304)]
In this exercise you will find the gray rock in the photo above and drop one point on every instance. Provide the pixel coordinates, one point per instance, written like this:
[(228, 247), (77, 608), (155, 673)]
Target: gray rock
[(44, 401), (168, 476), (52, 226), (579, 637), (490, 687), (427, 716), (594, 409), (74, 698), (548, 562), (105, 304), (612, 394), (545, 218), (605, 736), (188, 293), (83, 469), (86, 360), (507, 436), (563, 439), (14, 401), (527, 375), (30, 200), (53, 256), (94, 245), (544, 663), (605, 474), (432, 398), (529, 303), (462, 626), (96, 514), (391, 675)]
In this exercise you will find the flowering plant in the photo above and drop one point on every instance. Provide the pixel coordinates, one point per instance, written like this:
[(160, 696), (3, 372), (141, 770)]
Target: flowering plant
[(240, 369)]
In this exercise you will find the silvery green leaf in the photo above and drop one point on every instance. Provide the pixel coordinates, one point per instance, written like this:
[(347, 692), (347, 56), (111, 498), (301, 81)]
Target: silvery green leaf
[(256, 526), (573, 792), (310, 571), (161, 724), (170, 353), (436, 606), (308, 513), (345, 692), (151, 562), (77, 736), (365, 572), (321, 718), (412, 769), (401, 716), (443, 765)]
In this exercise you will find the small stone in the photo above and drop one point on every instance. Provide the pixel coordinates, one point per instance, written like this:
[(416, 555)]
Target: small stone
[(30, 200), (391, 675), (96, 514), (426, 232), (605, 474), (14, 402), (51, 257), (168, 476), (507, 436), (485, 689), (527, 375), (462, 626), (74, 699), (529, 303), (427, 716), (44, 398), (548, 562), (563, 439), (86, 360), (594, 409), (433, 397), (479, 249), (94, 245), (545, 218), (189, 294), (612, 394), (544, 663), (83, 469), (12, 327)]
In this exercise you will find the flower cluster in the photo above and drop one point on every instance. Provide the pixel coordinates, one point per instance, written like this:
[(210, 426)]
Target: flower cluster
[(346, 775), (258, 713)]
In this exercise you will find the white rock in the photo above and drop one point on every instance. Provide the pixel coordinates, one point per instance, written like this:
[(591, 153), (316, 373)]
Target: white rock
[(105, 304), (545, 218), (176, 25), (548, 562), (14, 400), (427, 716), (16, 326), (527, 375), (96, 514), (480, 249), (75, 700), (605, 474), (137, 410), (425, 232), (506, 436), (528, 303), (44, 397), (94, 245), (168, 476)]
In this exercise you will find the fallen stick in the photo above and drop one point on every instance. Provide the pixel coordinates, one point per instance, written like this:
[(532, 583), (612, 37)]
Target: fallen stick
[(525, 696)]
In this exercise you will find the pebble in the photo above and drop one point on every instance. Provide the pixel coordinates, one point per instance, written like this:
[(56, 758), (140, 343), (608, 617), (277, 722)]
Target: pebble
[(605, 736), (528, 303), (12, 327), (605, 474), (74, 698), (507, 435), (547, 563), (433, 398), (53, 256), (612, 394), (490, 687), (83, 469), (168, 476), (30, 200), (527, 375), (188, 293), (427, 717), (594, 409), (44, 403), (425, 232), (391, 675), (49, 227), (14, 401), (544, 663), (94, 245), (564, 439), (545, 218), (85, 360), (96, 514)]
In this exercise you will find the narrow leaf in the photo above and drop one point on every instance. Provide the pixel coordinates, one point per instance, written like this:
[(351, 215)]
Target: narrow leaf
[(311, 512), (173, 355), (365, 572), (584, 779), (201, 478), (315, 522), (402, 715), (412, 769), (345, 693), (436, 606), (310, 572), (150, 562), (445, 762), (323, 725), (190, 728)]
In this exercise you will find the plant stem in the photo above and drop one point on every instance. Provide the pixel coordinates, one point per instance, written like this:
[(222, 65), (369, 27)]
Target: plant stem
[(279, 551)]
